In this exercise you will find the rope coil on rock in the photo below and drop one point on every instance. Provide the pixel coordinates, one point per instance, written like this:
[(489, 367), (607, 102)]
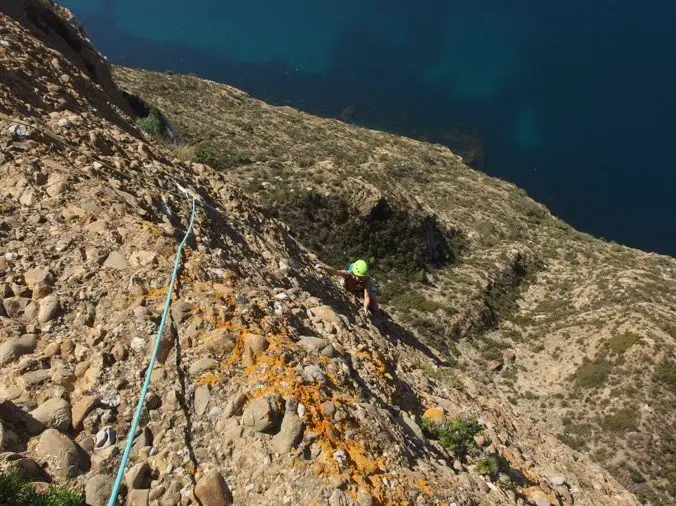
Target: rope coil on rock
[(151, 363)]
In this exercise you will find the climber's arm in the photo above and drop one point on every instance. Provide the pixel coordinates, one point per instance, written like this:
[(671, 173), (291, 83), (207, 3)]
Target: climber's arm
[(332, 271), (367, 300)]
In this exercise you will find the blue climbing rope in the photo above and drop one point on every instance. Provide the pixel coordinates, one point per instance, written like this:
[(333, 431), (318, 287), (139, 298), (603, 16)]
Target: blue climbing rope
[(146, 382)]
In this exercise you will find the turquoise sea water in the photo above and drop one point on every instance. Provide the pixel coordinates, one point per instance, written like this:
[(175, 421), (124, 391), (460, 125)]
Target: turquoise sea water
[(573, 101)]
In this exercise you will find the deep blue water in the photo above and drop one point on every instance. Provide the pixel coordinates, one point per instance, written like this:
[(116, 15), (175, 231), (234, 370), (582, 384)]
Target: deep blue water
[(575, 101)]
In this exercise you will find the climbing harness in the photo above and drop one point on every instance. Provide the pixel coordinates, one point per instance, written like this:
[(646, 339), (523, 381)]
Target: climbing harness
[(153, 356)]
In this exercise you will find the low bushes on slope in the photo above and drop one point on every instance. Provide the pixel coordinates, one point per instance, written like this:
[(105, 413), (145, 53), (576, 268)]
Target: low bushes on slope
[(456, 434), (14, 491), (218, 158), (154, 125), (399, 241)]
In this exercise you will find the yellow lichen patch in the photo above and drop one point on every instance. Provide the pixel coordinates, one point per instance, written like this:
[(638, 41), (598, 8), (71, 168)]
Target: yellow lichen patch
[(421, 483), (383, 493), (210, 379), (270, 373), (517, 462), (241, 332), (230, 300), (278, 377), (238, 349), (364, 464), (434, 415), (151, 227), (189, 468), (156, 292), (374, 359)]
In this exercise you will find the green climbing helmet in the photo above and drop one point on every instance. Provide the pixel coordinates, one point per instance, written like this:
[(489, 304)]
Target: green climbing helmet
[(360, 268)]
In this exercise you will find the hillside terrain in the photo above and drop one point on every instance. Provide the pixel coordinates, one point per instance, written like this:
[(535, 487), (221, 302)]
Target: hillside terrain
[(578, 334), (270, 388)]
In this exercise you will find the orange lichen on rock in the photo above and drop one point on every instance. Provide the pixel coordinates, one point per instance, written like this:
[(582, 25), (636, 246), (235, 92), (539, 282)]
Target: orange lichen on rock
[(374, 359), (210, 379), (434, 415), (362, 469), (150, 227), (365, 465), (155, 292), (270, 372), (422, 484)]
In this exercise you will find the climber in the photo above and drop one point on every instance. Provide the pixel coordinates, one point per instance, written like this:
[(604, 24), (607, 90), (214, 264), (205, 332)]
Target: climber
[(356, 281)]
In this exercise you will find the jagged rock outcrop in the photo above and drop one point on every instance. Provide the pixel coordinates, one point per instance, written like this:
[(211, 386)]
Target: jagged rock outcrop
[(66, 46)]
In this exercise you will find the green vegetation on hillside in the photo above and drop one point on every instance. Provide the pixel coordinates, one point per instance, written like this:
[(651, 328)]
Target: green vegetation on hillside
[(592, 373), (666, 373), (154, 124), (210, 154), (623, 420), (622, 342), (488, 466), (14, 491), (456, 434), (399, 244)]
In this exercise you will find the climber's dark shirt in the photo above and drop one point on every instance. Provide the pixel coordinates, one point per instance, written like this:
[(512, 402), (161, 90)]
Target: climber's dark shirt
[(357, 285)]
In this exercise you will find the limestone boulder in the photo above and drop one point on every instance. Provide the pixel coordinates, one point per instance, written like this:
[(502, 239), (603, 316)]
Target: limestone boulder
[(263, 414), (59, 453), (212, 490), (54, 413)]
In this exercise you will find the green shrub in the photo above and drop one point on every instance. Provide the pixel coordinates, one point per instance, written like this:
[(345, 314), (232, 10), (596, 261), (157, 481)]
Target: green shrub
[(411, 300), (511, 333), (151, 125), (154, 124), (622, 342), (396, 238), (14, 491), (502, 294), (592, 374), (493, 348), (488, 466), (576, 435), (666, 373), (573, 441), (621, 421), (209, 154), (458, 434), (635, 475), (430, 428), (445, 375), (60, 496)]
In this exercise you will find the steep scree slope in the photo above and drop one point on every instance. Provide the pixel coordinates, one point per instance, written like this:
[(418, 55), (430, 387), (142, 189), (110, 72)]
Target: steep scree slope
[(576, 332), (269, 389)]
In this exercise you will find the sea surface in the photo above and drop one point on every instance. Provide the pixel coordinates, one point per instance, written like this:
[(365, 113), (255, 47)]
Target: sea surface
[(574, 101)]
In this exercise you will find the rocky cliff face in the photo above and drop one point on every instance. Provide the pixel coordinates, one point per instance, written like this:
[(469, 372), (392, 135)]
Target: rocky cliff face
[(270, 388), (574, 332)]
